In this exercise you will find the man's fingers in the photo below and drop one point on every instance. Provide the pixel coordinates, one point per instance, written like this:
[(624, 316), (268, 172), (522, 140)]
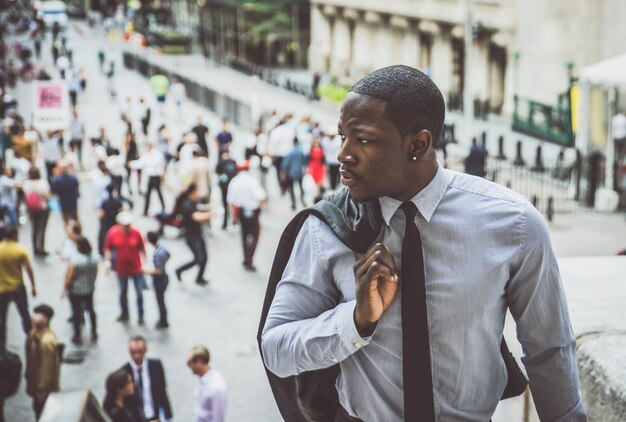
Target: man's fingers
[(377, 270)]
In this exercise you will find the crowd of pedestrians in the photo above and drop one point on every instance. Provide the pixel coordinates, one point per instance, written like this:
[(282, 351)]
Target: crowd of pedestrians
[(47, 176)]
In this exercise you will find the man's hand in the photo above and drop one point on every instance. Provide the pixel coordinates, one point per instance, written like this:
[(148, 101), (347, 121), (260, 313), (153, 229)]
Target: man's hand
[(376, 287)]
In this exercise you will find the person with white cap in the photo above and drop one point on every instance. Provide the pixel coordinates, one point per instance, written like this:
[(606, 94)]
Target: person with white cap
[(246, 195), (126, 242)]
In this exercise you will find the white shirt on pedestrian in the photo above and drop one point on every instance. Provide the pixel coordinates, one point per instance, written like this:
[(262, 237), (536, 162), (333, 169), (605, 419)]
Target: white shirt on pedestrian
[(116, 165), (77, 129), (245, 192), (331, 146), (148, 406), (281, 140), (152, 163), (211, 397), (618, 126)]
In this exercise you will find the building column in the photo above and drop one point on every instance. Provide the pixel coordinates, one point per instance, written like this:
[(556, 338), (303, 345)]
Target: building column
[(340, 50), (383, 41), (365, 30), (406, 42), (441, 60), (319, 50), (479, 71)]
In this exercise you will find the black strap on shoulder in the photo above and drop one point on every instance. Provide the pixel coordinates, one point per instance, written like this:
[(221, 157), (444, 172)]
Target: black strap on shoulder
[(311, 396)]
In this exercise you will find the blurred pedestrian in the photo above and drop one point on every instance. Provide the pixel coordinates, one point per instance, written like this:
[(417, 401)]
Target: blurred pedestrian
[(43, 360), (245, 196), (37, 193), (211, 393), (11, 370), (107, 214), (13, 260), (178, 93), (116, 164), (475, 161), (279, 144), (193, 215), (226, 170), (125, 244), (292, 171), (331, 143), (152, 164), (119, 390), (8, 195), (200, 174), (145, 115), (132, 154), (52, 146), (224, 138), (150, 400), (77, 133), (65, 186), (160, 85), (201, 131), (160, 280), (317, 166), (80, 281)]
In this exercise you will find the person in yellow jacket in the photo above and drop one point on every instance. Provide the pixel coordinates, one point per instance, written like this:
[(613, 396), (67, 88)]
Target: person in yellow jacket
[(43, 362)]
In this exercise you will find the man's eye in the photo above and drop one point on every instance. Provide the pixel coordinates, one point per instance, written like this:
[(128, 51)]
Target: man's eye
[(362, 141), (342, 137)]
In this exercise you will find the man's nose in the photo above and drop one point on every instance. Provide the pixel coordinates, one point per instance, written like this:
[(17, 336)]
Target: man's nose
[(345, 155)]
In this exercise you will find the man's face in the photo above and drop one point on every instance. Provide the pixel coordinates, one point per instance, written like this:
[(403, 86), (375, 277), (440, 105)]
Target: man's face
[(374, 158), (193, 365), (39, 321), (137, 350)]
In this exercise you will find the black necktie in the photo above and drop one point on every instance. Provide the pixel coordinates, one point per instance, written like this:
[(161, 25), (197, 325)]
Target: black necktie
[(416, 372), (140, 389)]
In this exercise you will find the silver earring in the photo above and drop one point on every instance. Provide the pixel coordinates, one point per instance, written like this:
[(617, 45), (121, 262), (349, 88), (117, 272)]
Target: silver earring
[(414, 158)]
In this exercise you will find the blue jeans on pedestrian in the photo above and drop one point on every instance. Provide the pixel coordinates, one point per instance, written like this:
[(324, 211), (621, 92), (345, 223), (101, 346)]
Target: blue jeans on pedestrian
[(160, 284), (19, 297), (140, 282), (9, 211)]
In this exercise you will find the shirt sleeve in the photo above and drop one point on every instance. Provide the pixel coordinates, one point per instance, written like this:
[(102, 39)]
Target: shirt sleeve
[(308, 327), (537, 302)]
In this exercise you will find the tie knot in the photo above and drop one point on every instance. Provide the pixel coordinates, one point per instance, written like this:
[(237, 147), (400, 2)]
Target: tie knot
[(409, 210)]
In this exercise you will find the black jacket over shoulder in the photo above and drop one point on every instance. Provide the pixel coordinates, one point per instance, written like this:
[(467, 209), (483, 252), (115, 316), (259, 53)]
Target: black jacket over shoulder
[(312, 396), (160, 400)]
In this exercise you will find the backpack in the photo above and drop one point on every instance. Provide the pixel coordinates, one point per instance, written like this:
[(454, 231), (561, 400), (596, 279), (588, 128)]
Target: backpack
[(34, 202), (10, 373)]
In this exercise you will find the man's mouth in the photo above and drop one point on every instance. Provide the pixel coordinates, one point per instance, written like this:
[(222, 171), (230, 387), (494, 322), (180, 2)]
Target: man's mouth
[(348, 178)]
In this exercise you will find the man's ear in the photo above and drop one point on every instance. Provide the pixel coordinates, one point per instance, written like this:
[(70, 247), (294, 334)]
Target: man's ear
[(420, 143)]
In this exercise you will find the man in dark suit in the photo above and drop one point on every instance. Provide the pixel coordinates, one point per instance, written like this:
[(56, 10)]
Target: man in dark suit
[(150, 399)]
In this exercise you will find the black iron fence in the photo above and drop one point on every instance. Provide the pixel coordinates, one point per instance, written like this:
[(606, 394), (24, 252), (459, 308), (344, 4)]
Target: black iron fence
[(218, 102), (552, 189)]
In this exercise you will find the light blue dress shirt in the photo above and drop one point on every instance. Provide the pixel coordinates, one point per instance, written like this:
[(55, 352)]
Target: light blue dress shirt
[(485, 247)]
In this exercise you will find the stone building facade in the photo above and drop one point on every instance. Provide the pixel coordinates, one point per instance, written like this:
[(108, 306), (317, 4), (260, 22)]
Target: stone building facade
[(520, 46)]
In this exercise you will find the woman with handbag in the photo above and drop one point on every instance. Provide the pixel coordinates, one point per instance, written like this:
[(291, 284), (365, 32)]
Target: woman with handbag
[(37, 193)]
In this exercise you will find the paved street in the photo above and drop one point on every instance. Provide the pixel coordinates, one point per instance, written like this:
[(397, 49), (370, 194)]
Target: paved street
[(223, 315)]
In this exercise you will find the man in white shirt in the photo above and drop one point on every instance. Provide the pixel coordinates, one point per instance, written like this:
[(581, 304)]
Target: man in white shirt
[(331, 144), (245, 196), (279, 144), (211, 393), (152, 164)]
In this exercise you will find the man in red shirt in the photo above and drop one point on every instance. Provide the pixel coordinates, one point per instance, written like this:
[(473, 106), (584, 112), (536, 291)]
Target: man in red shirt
[(123, 246)]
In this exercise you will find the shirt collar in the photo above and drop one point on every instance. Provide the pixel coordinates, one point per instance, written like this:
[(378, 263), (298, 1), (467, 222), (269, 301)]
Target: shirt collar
[(136, 367), (426, 200)]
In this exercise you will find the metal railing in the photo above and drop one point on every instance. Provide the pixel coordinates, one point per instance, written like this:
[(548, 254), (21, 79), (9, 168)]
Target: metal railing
[(543, 121)]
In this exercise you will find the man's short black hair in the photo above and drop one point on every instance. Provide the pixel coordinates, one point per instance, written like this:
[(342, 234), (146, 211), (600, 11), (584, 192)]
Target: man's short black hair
[(153, 237), (44, 310), (413, 100)]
